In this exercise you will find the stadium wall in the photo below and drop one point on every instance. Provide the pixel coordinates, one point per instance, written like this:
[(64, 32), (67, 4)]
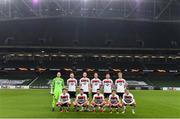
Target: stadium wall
[(48, 87), (171, 88), (14, 87), (131, 88)]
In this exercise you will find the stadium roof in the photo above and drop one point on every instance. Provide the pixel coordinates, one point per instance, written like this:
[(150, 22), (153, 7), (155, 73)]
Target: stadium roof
[(148, 10)]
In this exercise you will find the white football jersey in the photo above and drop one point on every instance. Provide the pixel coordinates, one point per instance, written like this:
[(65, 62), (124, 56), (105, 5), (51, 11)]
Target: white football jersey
[(81, 98), (128, 98), (98, 98), (72, 83), (114, 99), (84, 84), (107, 83), (96, 83), (64, 98), (120, 85)]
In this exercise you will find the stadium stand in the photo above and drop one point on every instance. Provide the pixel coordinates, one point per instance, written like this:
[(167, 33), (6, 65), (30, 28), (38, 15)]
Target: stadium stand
[(71, 43), (134, 80), (80, 32), (16, 77)]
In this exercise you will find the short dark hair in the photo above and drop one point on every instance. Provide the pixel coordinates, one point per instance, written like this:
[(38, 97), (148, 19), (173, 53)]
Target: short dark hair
[(113, 90), (71, 72), (107, 73), (64, 89), (119, 72)]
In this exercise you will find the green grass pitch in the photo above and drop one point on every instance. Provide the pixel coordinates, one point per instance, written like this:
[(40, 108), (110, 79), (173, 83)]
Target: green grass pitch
[(36, 103)]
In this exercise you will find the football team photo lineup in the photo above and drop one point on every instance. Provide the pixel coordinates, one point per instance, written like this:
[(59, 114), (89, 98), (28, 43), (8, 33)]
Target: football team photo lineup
[(113, 94), (89, 59)]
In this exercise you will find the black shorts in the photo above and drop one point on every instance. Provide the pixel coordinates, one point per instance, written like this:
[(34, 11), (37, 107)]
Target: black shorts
[(93, 94), (83, 105), (129, 104), (87, 93), (65, 105), (106, 95), (120, 95), (97, 105), (116, 105), (72, 94)]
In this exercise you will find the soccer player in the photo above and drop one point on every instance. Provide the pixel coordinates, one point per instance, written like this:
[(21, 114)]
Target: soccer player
[(98, 101), (81, 101), (95, 84), (114, 101), (84, 84), (121, 85), (72, 85), (57, 85), (107, 84), (128, 99), (64, 101)]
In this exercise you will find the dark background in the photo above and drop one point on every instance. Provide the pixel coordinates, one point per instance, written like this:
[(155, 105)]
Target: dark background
[(89, 32)]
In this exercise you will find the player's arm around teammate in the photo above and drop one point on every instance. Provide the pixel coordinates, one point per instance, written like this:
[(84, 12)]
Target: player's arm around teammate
[(72, 86), (95, 84), (107, 86), (120, 85), (84, 84)]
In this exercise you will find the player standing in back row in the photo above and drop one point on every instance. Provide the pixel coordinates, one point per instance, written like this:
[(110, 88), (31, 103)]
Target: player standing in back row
[(120, 85), (72, 84), (107, 84), (57, 85), (84, 84), (95, 84)]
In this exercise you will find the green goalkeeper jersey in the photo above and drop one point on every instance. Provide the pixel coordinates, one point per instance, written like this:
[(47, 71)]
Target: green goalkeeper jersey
[(57, 85)]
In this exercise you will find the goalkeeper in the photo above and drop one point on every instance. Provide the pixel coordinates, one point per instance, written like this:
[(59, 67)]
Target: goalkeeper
[(56, 89)]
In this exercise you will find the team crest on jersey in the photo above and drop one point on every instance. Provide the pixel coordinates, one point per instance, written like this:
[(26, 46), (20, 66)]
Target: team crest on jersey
[(107, 84), (58, 82), (120, 84), (96, 84)]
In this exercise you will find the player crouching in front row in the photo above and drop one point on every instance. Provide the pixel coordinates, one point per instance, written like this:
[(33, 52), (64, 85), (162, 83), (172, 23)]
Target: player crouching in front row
[(114, 102), (98, 101), (64, 101), (81, 101), (128, 99)]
